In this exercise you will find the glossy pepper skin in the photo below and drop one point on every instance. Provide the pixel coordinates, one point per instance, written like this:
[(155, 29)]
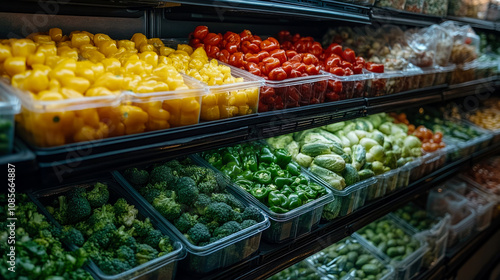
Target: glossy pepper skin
[(254, 167)]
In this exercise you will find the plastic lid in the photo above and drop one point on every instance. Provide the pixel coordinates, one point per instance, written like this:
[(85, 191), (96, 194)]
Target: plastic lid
[(9, 103), (358, 77)]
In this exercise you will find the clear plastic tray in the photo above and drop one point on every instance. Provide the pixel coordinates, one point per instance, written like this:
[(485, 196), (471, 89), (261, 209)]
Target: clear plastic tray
[(163, 267), (56, 123), (386, 83), (328, 262), (428, 77), (491, 194), (463, 73), (436, 235), (412, 78), (232, 100), (443, 76), (484, 207), (433, 161), (293, 92), (346, 87), (389, 180), (409, 266), (9, 106), (417, 171), (442, 201), (291, 224), (222, 253), (405, 172), (347, 200)]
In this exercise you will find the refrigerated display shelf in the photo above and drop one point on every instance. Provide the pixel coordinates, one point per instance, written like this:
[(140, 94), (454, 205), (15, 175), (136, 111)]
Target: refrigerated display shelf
[(23, 160), (75, 161), (274, 258), (393, 16), (437, 272)]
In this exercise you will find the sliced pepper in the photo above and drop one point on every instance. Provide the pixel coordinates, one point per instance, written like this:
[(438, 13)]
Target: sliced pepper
[(294, 201), (245, 184), (277, 199), (232, 170), (263, 177), (261, 193), (282, 181)]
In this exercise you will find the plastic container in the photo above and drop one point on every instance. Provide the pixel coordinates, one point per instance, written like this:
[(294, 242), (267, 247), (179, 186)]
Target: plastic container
[(163, 267), (386, 83), (417, 171), (291, 224), (222, 253), (412, 78), (405, 172), (56, 123), (410, 265), (374, 191), (478, 200), (495, 196), (301, 270), (441, 201), (232, 100), (428, 77), (435, 233), (346, 87), (389, 180), (293, 92), (443, 76), (414, 6), (9, 106), (464, 73), (330, 264)]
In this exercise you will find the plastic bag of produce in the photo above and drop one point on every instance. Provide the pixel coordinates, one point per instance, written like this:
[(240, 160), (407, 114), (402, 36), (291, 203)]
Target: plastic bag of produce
[(424, 50), (444, 44), (465, 42)]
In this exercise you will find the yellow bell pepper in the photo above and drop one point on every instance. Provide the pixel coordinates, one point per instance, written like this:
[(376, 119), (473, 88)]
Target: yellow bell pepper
[(78, 84), (23, 47), (84, 70), (99, 38), (112, 65), (5, 52), (134, 119), (15, 65), (156, 42), (111, 116), (108, 48), (139, 39), (37, 81), (56, 34), (149, 57), (147, 48), (37, 58), (166, 51), (210, 112), (69, 93), (49, 95), (127, 44), (79, 39), (110, 81), (187, 48), (90, 117), (99, 91)]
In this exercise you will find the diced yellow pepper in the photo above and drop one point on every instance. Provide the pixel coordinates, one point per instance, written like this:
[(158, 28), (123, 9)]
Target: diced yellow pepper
[(79, 39), (23, 47), (78, 84), (15, 65), (5, 52), (210, 112), (134, 119), (56, 34)]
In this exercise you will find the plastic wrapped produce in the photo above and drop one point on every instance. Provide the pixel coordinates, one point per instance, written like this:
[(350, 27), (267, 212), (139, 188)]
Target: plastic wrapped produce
[(468, 8), (435, 7), (424, 50), (444, 45)]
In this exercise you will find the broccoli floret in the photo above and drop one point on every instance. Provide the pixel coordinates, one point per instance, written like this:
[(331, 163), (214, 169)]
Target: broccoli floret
[(126, 254), (145, 253), (219, 197), (72, 235), (112, 266), (123, 237), (61, 213), (214, 239), (237, 216), (201, 204), (153, 238), (198, 233), (175, 165), (212, 226), (78, 207), (248, 223), (102, 237), (227, 229), (219, 212), (125, 213), (197, 173), (167, 207), (165, 246), (163, 173), (229, 199), (100, 218), (185, 222), (142, 228), (210, 184), (151, 191), (137, 177), (98, 196), (186, 191), (251, 213)]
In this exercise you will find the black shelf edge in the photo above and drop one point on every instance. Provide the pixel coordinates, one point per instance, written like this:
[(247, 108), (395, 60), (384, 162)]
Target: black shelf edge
[(346, 12), (457, 256), (476, 87), (476, 23)]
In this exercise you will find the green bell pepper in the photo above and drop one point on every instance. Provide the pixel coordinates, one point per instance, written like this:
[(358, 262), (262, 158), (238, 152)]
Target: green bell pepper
[(294, 201), (273, 187), (310, 193), (229, 157), (245, 184), (286, 190), (283, 158), (281, 181), (215, 159), (263, 166), (278, 209), (293, 168), (276, 198), (232, 170), (247, 175), (266, 155), (261, 193), (250, 163), (302, 195), (263, 177), (274, 169)]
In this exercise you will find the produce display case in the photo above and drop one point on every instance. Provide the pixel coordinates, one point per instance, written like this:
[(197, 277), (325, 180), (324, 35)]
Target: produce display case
[(398, 5), (477, 200), (283, 226), (414, 6), (464, 73), (491, 190), (56, 123), (389, 181), (219, 254), (407, 251), (9, 106), (413, 76), (351, 258), (428, 227), (463, 217), (443, 75), (428, 76), (163, 267), (435, 7)]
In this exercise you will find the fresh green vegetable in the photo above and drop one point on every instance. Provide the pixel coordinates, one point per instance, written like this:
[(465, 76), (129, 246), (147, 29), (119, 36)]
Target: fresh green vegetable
[(114, 236), (332, 162), (348, 259), (38, 248), (298, 271), (330, 177), (350, 175), (278, 183), (315, 149)]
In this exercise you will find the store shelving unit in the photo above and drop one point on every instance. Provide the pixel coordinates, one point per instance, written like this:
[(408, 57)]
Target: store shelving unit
[(71, 163)]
